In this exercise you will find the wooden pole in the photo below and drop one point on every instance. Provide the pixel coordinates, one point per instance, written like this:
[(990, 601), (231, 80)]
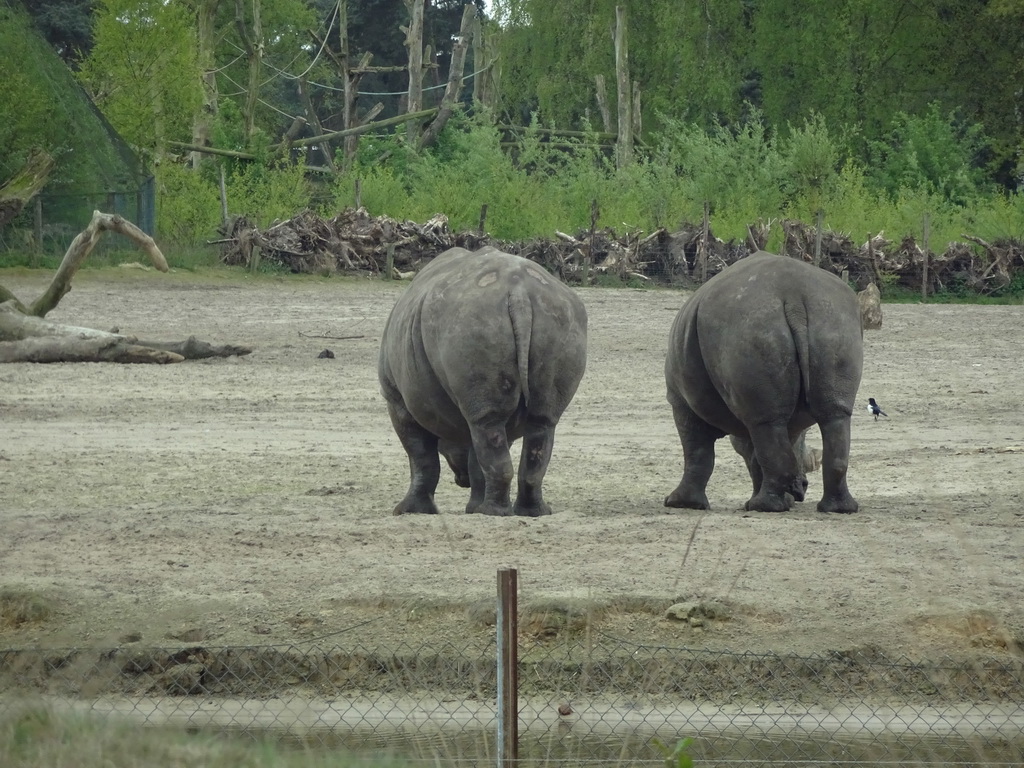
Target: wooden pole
[(37, 231), (508, 667), (704, 232), (483, 219), (595, 213), (819, 220), (389, 267), (223, 201), (359, 193), (924, 262)]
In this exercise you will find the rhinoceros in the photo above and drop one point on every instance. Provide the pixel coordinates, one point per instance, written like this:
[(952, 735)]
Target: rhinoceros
[(483, 348), (761, 352)]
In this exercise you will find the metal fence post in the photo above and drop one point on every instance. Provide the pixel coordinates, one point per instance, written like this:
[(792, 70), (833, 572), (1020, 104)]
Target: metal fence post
[(508, 662)]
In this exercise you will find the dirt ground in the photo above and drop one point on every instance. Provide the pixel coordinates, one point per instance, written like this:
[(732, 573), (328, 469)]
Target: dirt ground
[(248, 500)]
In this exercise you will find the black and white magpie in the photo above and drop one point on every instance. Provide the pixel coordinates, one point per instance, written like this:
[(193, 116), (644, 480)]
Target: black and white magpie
[(874, 410)]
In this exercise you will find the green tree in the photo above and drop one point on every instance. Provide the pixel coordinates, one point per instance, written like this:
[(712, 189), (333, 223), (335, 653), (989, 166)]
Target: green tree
[(858, 62), (142, 71), (686, 57)]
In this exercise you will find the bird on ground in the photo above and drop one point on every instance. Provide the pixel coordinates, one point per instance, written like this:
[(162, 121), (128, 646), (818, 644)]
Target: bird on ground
[(875, 410)]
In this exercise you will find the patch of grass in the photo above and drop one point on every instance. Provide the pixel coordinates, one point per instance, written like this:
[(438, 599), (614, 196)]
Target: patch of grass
[(19, 605), (33, 736)]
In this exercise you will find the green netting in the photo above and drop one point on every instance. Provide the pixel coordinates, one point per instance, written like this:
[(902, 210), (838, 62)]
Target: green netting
[(45, 106)]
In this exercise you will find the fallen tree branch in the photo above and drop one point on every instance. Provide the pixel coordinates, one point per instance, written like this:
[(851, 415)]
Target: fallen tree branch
[(325, 336), (29, 339), (82, 246)]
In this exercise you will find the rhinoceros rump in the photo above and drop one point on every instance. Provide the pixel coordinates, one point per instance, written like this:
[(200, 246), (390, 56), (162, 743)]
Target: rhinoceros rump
[(482, 349), (762, 351)]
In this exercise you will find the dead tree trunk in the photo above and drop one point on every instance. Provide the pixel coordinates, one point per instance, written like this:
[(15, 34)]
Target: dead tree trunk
[(454, 87), (414, 41)]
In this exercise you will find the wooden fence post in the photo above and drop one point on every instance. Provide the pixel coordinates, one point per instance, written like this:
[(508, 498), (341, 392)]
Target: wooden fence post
[(223, 202), (389, 266), (589, 259), (705, 230), (819, 221), (508, 667), (483, 219), (924, 262)]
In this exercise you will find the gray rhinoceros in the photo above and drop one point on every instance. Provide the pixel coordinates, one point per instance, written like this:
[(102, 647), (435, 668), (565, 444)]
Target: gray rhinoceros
[(762, 351), (482, 349)]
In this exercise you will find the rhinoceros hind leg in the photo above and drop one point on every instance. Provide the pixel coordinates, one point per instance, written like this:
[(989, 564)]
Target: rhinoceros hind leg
[(781, 482), (698, 440), (490, 472), (477, 501), (533, 465), (835, 458), (424, 462)]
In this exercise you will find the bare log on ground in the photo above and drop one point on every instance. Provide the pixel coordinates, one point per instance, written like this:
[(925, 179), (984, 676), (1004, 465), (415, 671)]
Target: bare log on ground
[(27, 337)]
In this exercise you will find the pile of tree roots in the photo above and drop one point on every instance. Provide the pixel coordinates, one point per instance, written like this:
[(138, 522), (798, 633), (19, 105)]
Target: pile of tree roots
[(355, 242)]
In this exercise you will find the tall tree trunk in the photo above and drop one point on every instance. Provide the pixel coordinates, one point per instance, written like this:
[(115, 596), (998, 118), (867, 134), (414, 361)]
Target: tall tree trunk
[(206, 11), (351, 83), (624, 144), (252, 43), (414, 41)]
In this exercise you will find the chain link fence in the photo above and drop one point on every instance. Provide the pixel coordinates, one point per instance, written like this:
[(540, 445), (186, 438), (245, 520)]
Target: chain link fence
[(595, 700), (52, 220)]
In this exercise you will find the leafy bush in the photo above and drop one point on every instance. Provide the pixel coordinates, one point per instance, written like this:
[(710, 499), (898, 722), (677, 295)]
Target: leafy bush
[(268, 191), (188, 205)]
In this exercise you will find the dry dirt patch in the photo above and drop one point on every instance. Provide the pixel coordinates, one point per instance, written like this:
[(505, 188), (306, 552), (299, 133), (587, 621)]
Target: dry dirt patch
[(247, 501)]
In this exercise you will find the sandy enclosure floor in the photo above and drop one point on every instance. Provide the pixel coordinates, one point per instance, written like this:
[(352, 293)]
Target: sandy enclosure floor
[(249, 500)]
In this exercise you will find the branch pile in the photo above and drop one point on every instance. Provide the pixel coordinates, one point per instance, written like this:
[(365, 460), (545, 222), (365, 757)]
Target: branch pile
[(356, 242)]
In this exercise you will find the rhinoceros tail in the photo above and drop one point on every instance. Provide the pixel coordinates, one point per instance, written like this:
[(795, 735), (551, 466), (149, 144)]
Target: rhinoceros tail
[(520, 311), (796, 318)]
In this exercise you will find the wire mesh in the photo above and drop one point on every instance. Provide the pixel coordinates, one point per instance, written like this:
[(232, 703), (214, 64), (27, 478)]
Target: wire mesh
[(596, 699)]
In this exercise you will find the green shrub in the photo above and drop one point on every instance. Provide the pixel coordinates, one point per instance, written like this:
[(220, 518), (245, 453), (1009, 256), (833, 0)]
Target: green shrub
[(266, 192), (188, 205)]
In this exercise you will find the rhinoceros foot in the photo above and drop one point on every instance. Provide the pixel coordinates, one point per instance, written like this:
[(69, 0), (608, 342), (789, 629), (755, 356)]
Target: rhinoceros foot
[(842, 505), (764, 501), (488, 507), (538, 509), (799, 488), (411, 505), (683, 498)]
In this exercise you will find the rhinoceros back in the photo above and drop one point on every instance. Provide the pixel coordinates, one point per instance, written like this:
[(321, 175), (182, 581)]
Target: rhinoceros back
[(484, 332)]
